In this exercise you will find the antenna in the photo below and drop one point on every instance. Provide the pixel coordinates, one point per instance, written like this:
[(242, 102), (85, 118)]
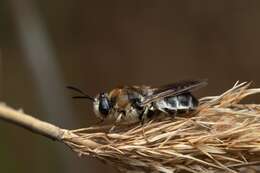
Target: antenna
[(83, 94)]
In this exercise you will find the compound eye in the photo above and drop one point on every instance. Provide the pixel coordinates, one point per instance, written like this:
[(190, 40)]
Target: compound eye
[(104, 105)]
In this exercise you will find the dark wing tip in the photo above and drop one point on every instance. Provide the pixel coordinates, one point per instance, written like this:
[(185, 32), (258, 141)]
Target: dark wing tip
[(202, 82)]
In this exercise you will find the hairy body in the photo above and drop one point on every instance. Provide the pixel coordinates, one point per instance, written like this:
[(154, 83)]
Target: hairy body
[(138, 103)]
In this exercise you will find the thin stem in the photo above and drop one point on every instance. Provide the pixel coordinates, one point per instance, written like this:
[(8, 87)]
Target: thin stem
[(28, 122), (43, 128)]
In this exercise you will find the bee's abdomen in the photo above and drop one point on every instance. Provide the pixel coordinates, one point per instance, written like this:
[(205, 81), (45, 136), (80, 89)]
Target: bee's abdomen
[(181, 103)]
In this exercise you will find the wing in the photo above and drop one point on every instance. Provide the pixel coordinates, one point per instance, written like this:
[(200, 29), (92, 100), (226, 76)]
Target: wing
[(173, 90)]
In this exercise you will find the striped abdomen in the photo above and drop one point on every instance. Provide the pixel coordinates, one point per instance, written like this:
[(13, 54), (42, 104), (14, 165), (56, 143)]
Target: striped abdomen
[(175, 104)]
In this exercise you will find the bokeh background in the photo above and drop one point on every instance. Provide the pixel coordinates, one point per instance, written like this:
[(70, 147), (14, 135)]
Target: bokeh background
[(97, 45)]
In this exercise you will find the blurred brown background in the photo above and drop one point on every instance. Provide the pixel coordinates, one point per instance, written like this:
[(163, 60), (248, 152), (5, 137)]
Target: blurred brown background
[(97, 45)]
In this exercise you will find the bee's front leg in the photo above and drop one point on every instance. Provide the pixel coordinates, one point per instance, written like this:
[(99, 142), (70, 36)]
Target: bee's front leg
[(99, 122), (118, 119)]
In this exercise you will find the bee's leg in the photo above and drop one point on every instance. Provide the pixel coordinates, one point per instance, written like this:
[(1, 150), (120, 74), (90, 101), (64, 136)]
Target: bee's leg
[(170, 112), (142, 120), (117, 121), (174, 113), (112, 128), (143, 115), (99, 122)]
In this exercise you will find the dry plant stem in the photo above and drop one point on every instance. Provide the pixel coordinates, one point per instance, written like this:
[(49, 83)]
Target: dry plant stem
[(35, 125), (40, 127)]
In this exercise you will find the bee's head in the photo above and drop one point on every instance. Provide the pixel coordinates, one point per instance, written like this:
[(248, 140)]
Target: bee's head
[(102, 105)]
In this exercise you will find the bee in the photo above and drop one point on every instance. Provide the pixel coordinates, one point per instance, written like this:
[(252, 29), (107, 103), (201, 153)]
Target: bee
[(141, 103)]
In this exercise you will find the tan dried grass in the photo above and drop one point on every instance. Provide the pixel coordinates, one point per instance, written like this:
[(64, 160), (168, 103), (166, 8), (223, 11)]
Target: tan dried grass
[(223, 135)]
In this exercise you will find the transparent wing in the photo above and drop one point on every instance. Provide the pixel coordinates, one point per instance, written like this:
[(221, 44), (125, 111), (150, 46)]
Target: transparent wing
[(173, 90)]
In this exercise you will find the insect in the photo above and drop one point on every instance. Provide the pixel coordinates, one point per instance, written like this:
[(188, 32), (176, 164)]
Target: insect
[(139, 103)]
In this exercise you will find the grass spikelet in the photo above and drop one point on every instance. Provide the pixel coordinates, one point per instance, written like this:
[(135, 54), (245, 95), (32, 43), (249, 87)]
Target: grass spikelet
[(223, 135)]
